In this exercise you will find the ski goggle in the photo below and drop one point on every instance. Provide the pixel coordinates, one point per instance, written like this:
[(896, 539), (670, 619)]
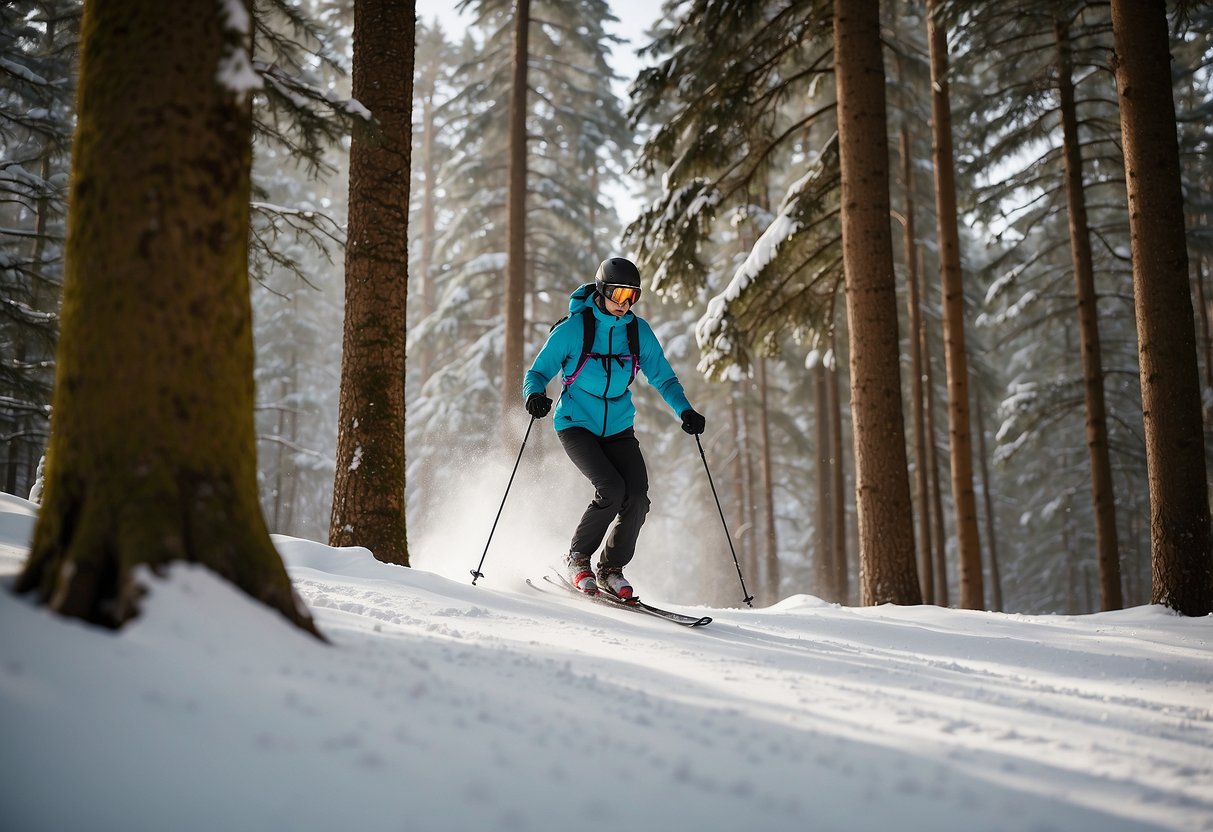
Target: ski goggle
[(623, 294)]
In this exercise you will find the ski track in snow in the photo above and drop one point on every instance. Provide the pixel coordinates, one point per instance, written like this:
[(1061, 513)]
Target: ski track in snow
[(438, 705), (844, 683)]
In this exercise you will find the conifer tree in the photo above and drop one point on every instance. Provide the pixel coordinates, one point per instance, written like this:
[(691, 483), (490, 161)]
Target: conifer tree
[(1051, 133), (1102, 496), (516, 282), (952, 290), (886, 527), (575, 127), (369, 488), (152, 459), (37, 40), (1181, 537)]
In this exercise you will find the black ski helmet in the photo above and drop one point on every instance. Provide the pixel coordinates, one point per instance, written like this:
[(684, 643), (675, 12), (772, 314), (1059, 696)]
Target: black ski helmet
[(617, 271)]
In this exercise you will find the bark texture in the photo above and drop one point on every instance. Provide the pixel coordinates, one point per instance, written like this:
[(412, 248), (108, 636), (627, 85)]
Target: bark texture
[(964, 499), (926, 572), (882, 486), (1182, 552), (516, 273), (1103, 497), (152, 454), (369, 485)]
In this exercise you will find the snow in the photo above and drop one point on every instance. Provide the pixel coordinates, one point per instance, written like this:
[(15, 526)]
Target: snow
[(437, 705), (23, 72), (235, 71)]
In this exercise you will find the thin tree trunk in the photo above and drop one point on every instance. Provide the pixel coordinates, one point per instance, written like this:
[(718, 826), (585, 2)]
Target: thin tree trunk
[(882, 486), (741, 537), (991, 538), (1072, 577), (1203, 303), (1180, 535), (749, 513), (284, 391), (952, 291), (424, 353), (938, 536), (838, 485), (19, 443), (429, 213), (595, 191), (926, 575), (369, 486), (290, 485), (1103, 498), (152, 458), (768, 488), (823, 560), (516, 269)]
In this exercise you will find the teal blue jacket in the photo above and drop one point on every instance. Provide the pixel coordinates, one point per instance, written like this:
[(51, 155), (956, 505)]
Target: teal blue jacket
[(599, 400)]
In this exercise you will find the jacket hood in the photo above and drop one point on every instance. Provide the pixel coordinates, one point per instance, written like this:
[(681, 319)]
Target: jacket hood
[(580, 298)]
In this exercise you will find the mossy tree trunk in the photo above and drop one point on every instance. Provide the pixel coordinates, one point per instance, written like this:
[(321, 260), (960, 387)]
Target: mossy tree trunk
[(887, 571), (152, 452), (369, 485)]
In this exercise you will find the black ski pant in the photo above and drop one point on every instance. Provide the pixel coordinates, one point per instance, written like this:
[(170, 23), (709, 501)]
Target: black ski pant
[(616, 468)]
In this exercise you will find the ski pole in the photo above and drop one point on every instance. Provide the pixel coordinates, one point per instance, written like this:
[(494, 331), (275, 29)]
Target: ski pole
[(748, 598), (476, 573)]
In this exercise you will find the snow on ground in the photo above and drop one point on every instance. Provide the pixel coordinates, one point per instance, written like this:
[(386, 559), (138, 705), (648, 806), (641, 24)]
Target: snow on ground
[(442, 706)]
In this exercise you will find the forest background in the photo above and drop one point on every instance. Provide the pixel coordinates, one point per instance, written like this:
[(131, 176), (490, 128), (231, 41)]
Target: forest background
[(731, 186)]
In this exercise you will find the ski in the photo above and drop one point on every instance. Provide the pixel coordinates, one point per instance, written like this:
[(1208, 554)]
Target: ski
[(604, 597)]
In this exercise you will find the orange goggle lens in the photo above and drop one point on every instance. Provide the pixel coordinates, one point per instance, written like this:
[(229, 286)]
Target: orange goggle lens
[(623, 294)]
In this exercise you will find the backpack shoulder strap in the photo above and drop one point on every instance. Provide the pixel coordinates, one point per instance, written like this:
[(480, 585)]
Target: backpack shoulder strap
[(587, 344), (634, 345), (587, 339)]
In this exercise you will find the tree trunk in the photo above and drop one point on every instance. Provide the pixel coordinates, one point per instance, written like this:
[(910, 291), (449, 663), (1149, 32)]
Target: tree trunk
[(424, 353), (1180, 536), (882, 486), (991, 539), (926, 575), (285, 386), (152, 456), (938, 536), (768, 490), (838, 485), (741, 531), (516, 282), (823, 560), (1203, 304), (290, 485), (1103, 498), (429, 212), (25, 445), (369, 487), (960, 446), (749, 514)]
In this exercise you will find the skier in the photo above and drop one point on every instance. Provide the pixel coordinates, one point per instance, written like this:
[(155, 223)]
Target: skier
[(599, 347)]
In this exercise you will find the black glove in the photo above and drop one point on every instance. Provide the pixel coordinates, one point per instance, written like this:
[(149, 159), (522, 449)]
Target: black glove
[(693, 422), (538, 405)]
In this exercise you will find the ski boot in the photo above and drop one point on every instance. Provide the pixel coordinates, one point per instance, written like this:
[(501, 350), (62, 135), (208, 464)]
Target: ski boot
[(611, 579), (577, 570)]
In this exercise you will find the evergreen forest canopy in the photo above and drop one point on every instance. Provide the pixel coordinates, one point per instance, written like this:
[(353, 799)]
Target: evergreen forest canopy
[(731, 136)]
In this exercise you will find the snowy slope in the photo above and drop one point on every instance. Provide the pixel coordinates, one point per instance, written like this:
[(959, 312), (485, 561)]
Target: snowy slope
[(442, 706)]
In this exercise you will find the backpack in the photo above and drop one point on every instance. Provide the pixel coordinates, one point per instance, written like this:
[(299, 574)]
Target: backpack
[(587, 345)]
